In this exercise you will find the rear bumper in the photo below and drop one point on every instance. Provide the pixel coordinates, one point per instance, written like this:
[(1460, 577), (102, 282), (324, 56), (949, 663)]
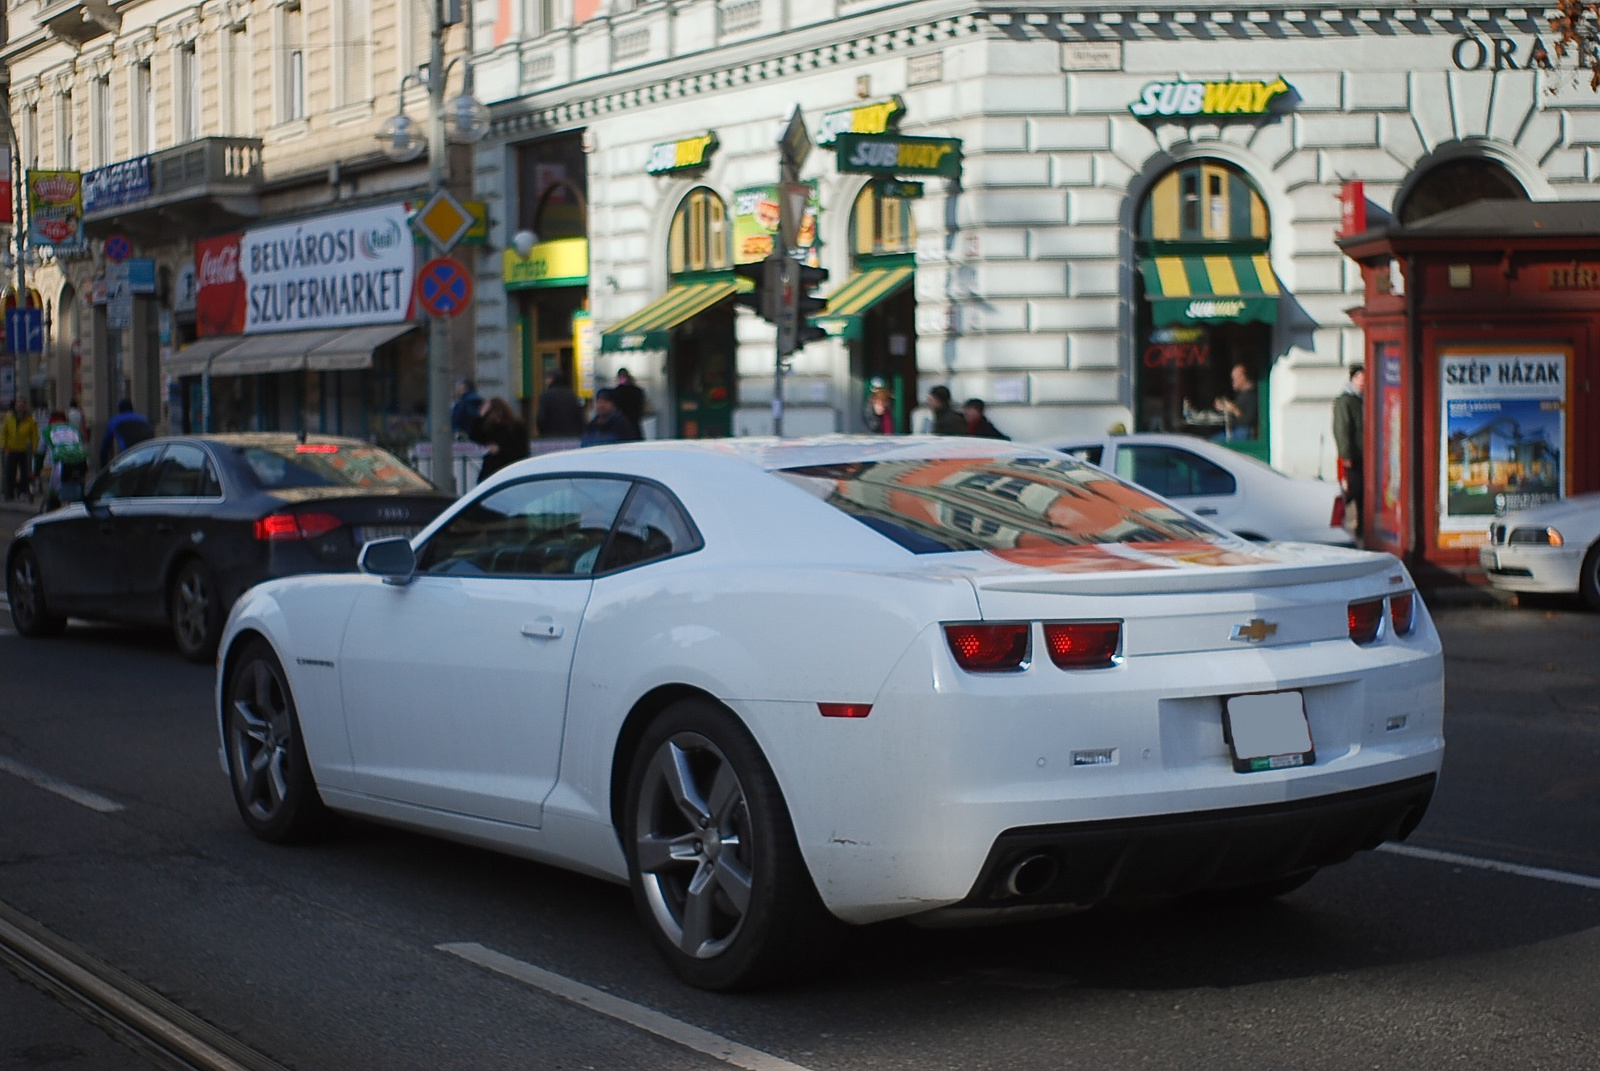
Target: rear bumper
[(1086, 863)]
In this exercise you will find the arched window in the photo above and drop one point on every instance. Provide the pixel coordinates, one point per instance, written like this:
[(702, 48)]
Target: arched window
[(561, 213), (1456, 183), (1203, 201), (881, 224), (700, 239)]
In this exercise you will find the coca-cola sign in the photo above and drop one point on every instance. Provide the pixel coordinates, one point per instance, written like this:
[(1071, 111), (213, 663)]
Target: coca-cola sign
[(220, 301)]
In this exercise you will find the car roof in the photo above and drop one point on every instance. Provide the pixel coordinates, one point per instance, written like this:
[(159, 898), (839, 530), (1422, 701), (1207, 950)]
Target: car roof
[(771, 454), (268, 439)]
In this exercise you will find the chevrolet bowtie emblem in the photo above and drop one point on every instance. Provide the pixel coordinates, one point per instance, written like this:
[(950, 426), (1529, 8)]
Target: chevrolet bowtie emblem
[(1256, 631)]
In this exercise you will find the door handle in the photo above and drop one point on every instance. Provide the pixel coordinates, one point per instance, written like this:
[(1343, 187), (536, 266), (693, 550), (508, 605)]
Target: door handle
[(1206, 511), (544, 628)]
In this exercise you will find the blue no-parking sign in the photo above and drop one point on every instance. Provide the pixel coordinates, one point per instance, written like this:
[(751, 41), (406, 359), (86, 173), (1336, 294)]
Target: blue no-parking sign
[(443, 287)]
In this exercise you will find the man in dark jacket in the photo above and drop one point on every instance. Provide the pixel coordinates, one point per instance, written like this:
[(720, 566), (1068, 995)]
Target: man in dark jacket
[(467, 406), (610, 424), (122, 431), (629, 397), (978, 424), (560, 413), (946, 421), (1349, 436)]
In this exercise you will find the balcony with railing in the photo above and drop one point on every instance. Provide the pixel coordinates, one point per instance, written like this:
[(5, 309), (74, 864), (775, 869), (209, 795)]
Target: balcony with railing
[(217, 178)]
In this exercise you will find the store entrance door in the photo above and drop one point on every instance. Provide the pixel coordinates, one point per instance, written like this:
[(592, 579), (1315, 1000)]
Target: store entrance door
[(887, 352), (701, 374)]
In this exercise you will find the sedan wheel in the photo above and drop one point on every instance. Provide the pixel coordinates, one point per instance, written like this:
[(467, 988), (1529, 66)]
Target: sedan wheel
[(272, 782), (716, 874), (195, 611), (25, 593), (1589, 578)]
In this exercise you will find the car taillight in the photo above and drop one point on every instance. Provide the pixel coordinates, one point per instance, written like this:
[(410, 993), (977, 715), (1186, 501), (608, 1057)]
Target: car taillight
[(1365, 617), (988, 648), (1402, 613), (1083, 644), (317, 448), (279, 526), (1337, 520)]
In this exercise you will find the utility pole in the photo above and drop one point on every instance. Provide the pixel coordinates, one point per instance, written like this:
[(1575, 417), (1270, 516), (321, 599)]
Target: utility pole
[(440, 435)]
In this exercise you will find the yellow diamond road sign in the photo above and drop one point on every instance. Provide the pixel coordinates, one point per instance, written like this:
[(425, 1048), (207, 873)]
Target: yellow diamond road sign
[(443, 220)]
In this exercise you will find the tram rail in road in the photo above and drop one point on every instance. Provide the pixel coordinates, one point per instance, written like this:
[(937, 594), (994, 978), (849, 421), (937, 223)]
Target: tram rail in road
[(134, 1013)]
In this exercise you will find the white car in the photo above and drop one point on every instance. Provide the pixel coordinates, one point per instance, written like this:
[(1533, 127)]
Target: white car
[(777, 684), (1553, 548), (1230, 489)]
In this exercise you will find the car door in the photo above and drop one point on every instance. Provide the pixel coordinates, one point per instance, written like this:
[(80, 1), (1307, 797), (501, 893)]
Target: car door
[(79, 554), (156, 524), (455, 685), (1196, 483)]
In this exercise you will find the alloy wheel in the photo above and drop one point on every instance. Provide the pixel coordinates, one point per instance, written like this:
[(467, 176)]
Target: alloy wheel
[(24, 591), (191, 609), (694, 845), (260, 734)]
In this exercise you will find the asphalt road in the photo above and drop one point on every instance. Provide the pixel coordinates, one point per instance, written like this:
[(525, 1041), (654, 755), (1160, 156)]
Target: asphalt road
[(328, 957)]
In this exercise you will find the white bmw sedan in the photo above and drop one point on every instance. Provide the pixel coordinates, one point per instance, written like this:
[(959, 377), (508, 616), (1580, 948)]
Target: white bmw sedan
[(1550, 548), (775, 685)]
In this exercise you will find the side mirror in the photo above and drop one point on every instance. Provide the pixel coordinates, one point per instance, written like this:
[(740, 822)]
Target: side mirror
[(393, 559)]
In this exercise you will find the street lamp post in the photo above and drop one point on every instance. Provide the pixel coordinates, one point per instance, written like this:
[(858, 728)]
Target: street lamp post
[(463, 120)]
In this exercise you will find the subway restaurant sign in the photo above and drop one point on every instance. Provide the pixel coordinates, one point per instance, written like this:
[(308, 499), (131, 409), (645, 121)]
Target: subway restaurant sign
[(1221, 100), (879, 117), (685, 154), (896, 154), (563, 262)]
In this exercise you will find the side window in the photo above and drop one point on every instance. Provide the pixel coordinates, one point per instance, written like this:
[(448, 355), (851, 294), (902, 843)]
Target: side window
[(551, 527), (1172, 472), (652, 526), (184, 472), (1091, 454), (126, 474)]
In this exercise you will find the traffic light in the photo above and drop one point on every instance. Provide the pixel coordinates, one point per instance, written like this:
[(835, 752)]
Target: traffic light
[(757, 297), (810, 305)]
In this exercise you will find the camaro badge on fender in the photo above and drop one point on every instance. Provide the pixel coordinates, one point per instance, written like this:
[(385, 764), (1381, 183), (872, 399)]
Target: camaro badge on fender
[(1256, 631)]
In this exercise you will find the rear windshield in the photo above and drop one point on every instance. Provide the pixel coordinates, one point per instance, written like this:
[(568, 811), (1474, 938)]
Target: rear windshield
[(944, 504), (329, 465)]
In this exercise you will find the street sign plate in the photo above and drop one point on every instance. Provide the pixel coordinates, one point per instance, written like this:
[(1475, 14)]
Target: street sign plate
[(796, 140), (443, 220), (25, 330), (443, 287)]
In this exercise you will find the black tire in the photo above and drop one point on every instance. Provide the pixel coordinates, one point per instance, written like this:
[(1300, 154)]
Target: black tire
[(272, 783), (1589, 579), (30, 610), (194, 609), (723, 919)]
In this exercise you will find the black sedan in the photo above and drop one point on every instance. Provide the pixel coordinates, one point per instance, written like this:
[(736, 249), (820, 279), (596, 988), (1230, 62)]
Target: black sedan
[(176, 529)]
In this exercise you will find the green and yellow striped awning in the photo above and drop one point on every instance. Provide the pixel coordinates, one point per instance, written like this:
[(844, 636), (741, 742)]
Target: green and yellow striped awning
[(854, 299), (650, 327), (1238, 288)]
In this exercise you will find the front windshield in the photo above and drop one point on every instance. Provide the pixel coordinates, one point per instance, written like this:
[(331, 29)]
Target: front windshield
[(292, 464), (929, 505)]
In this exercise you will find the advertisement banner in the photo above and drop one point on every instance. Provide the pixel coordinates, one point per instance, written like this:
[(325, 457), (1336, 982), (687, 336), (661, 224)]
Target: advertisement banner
[(55, 209), (219, 292), (1504, 436), (756, 214), (1390, 443), (116, 186), (345, 270)]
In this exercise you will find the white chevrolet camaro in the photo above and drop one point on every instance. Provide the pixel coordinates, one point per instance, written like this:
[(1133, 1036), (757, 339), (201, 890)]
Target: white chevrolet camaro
[(773, 685)]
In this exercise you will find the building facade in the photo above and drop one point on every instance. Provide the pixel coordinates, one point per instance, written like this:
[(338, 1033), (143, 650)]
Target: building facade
[(1145, 197), (203, 131)]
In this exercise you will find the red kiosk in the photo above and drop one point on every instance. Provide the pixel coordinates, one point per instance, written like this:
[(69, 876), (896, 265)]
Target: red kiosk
[(1482, 332)]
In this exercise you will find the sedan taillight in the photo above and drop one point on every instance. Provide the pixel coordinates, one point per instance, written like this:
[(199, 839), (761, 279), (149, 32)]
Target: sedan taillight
[(280, 526), (1083, 644), (1402, 613), (986, 648), (1365, 618)]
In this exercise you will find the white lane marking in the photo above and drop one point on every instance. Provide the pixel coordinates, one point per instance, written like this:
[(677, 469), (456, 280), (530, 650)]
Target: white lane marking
[(1539, 873), (81, 796), (636, 1015)]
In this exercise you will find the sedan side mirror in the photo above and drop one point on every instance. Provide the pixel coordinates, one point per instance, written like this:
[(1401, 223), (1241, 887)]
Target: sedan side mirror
[(393, 559)]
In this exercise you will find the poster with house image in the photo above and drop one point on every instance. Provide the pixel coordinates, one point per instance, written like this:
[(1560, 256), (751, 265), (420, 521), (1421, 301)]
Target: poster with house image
[(1504, 436)]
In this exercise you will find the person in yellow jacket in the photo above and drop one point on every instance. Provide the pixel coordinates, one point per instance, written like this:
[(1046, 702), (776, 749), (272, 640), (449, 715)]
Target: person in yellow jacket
[(19, 436)]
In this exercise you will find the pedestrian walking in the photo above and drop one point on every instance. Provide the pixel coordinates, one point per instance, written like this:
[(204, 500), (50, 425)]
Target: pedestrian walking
[(629, 397), (467, 407), (977, 423), (1349, 438), (66, 460), (503, 432), (1242, 411), (878, 413), (560, 413), (122, 431), (610, 424), (946, 421), (19, 437)]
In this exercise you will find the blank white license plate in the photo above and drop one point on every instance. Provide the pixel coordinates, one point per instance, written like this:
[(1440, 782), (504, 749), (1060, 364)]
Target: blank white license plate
[(1268, 731)]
